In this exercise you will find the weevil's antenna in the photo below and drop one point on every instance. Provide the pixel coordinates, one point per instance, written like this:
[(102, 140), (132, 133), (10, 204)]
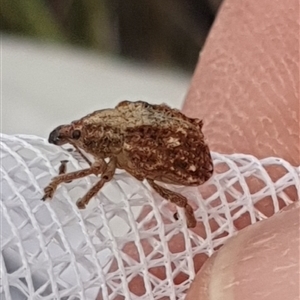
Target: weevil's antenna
[(80, 153)]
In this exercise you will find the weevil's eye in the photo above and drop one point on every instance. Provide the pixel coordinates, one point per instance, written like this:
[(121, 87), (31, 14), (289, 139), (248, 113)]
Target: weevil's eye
[(76, 134)]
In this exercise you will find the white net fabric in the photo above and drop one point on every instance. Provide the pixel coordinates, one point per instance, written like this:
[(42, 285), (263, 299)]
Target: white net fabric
[(126, 243)]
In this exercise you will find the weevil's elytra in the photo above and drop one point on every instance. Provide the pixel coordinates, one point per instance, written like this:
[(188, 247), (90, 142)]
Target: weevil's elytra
[(152, 142)]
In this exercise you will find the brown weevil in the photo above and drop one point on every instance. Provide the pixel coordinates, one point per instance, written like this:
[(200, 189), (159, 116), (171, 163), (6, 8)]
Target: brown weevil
[(152, 142)]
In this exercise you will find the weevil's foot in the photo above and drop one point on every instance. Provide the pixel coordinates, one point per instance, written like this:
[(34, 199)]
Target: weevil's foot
[(190, 217), (191, 221), (175, 216), (49, 191), (80, 204)]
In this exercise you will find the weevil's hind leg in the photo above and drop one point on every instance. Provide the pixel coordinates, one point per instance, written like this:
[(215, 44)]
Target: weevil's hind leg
[(97, 168), (107, 175), (177, 199)]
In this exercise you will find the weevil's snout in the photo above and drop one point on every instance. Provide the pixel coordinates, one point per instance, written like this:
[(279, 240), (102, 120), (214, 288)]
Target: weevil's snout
[(57, 137)]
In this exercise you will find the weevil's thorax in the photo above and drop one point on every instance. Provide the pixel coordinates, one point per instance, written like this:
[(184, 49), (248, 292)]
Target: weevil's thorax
[(100, 134)]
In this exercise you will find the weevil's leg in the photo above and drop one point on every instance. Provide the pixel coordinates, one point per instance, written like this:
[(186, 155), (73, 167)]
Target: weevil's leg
[(107, 175), (97, 168), (177, 199)]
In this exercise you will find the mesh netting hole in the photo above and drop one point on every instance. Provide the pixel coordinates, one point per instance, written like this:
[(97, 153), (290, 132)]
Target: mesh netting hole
[(237, 189), (8, 162), (230, 198), (67, 275), (43, 217), (147, 217), (119, 226), (286, 197), (255, 184), (240, 220), (17, 292), (215, 226), (131, 250), (276, 172), (218, 240), (220, 167), (20, 178), (113, 192), (57, 248), (137, 285), (180, 278), (176, 243), (159, 272), (26, 154), (38, 279), (288, 193), (31, 246), (12, 261), (199, 260), (46, 290), (150, 245), (18, 215), (36, 172), (264, 208), (76, 190)]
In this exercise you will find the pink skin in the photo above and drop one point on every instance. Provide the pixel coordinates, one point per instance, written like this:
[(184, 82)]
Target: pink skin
[(246, 85), (261, 262), (245, 88), (247, 81)]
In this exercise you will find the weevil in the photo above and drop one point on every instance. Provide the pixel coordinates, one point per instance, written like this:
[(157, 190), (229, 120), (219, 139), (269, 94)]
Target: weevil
[(151, 142)]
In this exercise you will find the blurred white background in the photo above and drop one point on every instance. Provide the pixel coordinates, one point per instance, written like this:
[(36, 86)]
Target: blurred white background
[(44, 85)]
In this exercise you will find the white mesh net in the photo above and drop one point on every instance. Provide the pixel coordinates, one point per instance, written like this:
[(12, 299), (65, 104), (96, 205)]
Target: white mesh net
[(126, 243)]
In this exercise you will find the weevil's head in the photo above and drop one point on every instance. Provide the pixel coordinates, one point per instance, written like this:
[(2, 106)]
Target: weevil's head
[(64, 134), (97, 134)]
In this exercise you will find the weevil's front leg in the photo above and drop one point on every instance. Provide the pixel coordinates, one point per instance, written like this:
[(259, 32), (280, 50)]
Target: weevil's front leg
[(107, 175), (97, 168), (177, 199)]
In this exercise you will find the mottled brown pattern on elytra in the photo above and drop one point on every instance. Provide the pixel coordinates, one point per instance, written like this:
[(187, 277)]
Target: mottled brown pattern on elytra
[(178, 157), (152, 142)]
